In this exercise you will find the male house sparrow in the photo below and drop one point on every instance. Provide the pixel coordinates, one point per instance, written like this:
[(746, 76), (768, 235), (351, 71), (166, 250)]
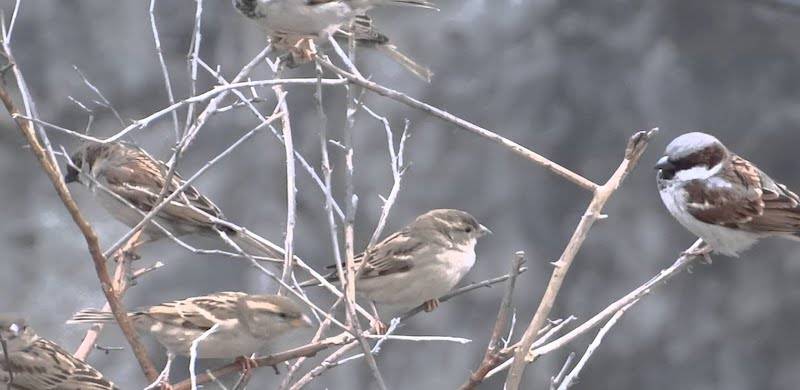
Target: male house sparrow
[(245, 323), (722, 198), (132, 174), (422, 261), (295, 25), (35, 363)]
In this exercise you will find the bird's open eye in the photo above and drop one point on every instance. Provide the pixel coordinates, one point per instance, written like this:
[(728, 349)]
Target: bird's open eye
[(468, 229), (282, 315)]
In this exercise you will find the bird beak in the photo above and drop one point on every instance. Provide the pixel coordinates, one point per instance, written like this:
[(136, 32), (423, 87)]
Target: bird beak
[(663, 163), (14, 328), (71, 176), (484, 230)]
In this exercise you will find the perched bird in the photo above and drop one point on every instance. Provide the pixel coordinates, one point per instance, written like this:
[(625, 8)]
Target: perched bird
[(722, 198), (245, 324), (295, 25), (421, 262), (131, 175), (34, 363)]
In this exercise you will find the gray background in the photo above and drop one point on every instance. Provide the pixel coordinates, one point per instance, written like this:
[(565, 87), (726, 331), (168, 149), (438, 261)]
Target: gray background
[(571, 80)]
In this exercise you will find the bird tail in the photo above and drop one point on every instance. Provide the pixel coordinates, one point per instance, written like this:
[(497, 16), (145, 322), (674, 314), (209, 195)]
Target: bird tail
[(419, 70), (414, 3), (407, 3), (256, 245), (91, 316)]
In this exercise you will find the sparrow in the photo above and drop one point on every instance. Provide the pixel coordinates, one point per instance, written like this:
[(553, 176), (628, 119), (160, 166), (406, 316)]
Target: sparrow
[(723, 198), (421, 262), (131, 174), (35, 363), (296, 25), (245, 324)]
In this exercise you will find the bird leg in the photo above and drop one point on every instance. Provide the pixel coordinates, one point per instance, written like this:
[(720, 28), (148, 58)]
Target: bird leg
[(304, 50), (431, 305), (247, 365), (704, 251), (376, 323)]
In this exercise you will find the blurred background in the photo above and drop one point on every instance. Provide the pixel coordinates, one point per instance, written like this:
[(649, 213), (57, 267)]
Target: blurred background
[(570, 80)]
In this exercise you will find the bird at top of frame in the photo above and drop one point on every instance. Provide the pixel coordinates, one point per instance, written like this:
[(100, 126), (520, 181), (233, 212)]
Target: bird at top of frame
[(723, 198), (298, 26)]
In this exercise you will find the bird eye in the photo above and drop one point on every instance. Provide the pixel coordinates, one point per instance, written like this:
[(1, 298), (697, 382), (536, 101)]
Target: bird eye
[(468, 229), (282, 315)]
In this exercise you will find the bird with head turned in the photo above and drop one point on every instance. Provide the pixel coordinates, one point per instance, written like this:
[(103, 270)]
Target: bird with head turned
[(30, 362), (723, 198)]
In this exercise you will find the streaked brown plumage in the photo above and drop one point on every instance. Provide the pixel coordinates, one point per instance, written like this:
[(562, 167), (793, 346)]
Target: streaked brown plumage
[(246, 323), (723, 198), (135, 177), (40, 364), (420, 262)]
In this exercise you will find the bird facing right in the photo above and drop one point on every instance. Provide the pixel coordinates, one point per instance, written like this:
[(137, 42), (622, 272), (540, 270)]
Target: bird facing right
[(36, 363), (422, 261), (722, 198)]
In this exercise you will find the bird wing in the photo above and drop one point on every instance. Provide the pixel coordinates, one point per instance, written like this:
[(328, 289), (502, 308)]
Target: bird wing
[(140, 178), (198, 312), (47, 366), (746, 198), (395, 254)]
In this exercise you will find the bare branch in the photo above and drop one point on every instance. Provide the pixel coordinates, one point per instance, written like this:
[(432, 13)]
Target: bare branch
[(464, 124), (573, 375), (50, 168), (491, 357), (636, 146)]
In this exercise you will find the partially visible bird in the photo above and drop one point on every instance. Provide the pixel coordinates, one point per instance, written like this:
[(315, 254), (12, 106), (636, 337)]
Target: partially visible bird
[(35, 363), (421, 262), (131, 175), (722, 198), (299, 25), (245, 324)]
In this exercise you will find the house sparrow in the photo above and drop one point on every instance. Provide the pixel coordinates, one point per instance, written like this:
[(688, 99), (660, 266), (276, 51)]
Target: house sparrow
[(247, 323), (39, 364), (421, 262), (295, 25), (132, 174), (722, 198)]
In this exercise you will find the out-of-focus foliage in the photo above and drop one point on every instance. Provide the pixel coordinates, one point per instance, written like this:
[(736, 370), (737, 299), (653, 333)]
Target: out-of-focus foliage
[(568, 79)]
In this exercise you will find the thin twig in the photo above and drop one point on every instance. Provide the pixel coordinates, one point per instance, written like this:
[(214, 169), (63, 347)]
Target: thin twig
[(464, 124), (50, 168), (491, 356), (633, 152), (573, 375), (164, 72), (683, 262)]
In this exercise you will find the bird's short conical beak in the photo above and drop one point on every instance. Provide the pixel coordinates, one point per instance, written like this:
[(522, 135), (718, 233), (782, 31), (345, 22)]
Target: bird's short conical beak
[(14, 328), (71, 176), (664, 163), (484, 230)]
